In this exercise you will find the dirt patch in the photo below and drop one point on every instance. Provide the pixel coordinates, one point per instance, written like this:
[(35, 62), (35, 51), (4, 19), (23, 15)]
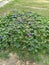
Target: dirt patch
[(14, 60)]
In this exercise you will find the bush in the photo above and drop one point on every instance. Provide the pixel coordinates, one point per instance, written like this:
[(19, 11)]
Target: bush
[(26, 33)]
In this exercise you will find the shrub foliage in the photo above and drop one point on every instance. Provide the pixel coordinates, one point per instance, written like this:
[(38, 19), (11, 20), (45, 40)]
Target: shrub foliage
[(26, 33)]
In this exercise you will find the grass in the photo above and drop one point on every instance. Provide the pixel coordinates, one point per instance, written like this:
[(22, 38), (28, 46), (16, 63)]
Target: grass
[(4, 55), (7, 8), (34, 3)]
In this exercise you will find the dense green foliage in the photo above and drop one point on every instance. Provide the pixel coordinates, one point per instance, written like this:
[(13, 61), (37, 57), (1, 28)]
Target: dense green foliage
[(26, 33)]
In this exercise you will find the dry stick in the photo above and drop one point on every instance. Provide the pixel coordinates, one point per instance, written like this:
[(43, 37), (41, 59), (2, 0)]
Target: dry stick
[(22, 62)]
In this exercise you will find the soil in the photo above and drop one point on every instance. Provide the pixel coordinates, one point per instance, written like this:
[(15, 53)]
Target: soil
[(14, 60)]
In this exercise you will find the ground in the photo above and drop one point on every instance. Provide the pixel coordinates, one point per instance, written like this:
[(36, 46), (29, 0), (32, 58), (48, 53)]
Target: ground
[(14, 60)]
